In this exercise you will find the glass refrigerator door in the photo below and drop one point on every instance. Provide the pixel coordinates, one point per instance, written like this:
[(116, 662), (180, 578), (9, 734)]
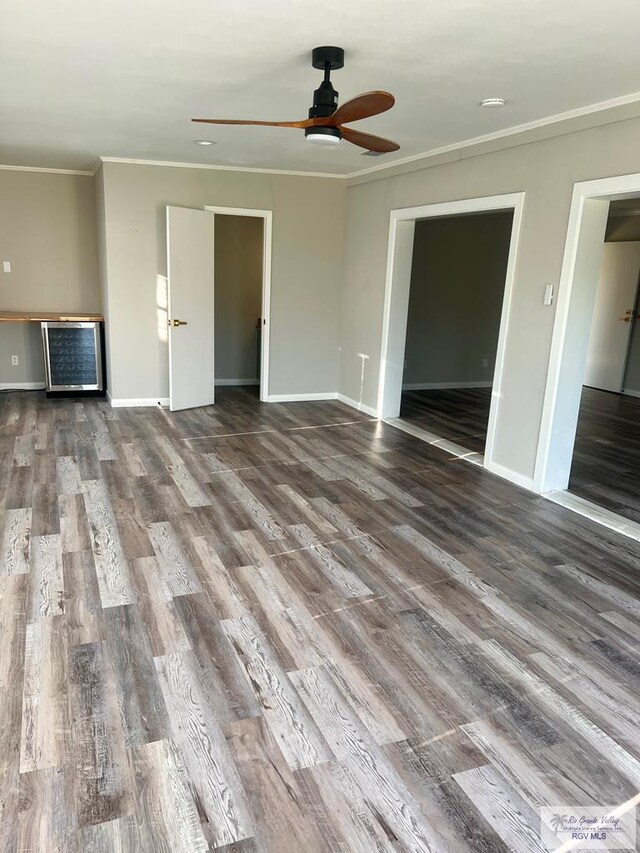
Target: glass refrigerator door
[(72, 356)]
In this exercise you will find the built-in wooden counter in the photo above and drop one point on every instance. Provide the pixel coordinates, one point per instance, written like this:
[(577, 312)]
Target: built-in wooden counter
[(48, 316)]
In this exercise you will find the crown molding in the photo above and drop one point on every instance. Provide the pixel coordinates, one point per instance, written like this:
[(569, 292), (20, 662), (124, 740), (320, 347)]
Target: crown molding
[(557, 118), (178, 165), (515, 130), (87, 174)]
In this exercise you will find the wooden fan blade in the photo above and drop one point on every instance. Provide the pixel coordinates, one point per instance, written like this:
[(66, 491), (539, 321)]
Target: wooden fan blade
[(309, 122), (364, 106), (366, 140)]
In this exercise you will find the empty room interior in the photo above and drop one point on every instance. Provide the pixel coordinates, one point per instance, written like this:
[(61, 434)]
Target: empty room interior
[(456, 295), (319, 427)]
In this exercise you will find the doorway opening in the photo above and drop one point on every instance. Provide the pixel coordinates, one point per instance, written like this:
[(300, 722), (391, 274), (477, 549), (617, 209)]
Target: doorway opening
[(449, 283), (242, 286), (606, 456), (589, 448), (458, 273), (218, 302), (238, 275)]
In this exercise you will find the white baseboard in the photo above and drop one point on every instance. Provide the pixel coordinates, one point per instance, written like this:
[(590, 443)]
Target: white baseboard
[(301, 398), (508, 474), (21, 386), (596, 513), (433, 386), (628, 392), (136, 402), (237, 381), (361, 407)]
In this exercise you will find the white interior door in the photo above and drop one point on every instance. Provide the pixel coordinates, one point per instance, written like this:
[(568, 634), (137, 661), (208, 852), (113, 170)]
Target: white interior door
[(190, 279), (613, 316)]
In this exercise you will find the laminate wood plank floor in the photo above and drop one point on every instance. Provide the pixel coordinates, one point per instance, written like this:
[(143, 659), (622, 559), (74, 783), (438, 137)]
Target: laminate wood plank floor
[(606, 458), (460, 415), (289, 627)]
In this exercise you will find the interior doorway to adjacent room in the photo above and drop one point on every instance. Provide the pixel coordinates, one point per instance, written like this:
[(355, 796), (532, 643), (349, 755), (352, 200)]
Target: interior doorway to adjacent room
[(455, 303), (218, 302), (589, 446), (239, 260), (606, 456), (450, 277)]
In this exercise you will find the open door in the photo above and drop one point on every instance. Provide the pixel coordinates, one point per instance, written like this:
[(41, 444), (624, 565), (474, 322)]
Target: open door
[(190, 288), (613, 316)]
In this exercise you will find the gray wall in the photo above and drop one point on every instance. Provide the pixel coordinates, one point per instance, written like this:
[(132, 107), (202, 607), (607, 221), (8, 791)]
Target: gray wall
[(25, 341), (308, 250), (47, 231), (238, 295), (621, 229), (457, 285), (545, 169), (632, 368)]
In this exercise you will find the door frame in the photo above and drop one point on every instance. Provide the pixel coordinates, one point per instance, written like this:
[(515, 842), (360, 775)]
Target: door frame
[(267, 251), (396, 299), (572, 325)]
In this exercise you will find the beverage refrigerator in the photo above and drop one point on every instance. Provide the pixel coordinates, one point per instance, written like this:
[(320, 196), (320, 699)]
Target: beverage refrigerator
[(73, 356)]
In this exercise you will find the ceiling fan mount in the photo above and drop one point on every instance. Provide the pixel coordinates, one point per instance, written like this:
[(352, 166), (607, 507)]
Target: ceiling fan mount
[(333, 56), (327, 120)]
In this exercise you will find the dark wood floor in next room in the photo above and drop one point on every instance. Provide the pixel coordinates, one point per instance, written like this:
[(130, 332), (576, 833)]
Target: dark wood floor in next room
[(287, 628), (606, 458)]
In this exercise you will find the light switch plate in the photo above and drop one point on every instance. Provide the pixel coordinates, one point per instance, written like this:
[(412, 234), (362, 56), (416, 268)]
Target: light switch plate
[(6, 266), (548, 294)]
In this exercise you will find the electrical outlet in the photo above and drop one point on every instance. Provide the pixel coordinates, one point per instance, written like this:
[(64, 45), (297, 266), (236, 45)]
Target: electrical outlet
[(6, 266), (15, 361), (485, 362)]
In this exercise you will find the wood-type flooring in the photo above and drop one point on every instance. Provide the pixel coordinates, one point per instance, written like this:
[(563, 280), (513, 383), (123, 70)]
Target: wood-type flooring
[(460, 415), (606, 459), (606, 456), (288, 627)]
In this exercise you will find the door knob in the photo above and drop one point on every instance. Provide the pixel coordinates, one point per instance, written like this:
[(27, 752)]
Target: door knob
[(178, 322)]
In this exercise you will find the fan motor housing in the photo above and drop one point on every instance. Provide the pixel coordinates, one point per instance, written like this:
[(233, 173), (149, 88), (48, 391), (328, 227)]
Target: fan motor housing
[(325, 101)]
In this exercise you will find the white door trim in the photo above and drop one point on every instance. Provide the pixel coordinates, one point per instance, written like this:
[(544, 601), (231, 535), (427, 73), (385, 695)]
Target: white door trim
[(548, 475), (267, 216), (394, 326)]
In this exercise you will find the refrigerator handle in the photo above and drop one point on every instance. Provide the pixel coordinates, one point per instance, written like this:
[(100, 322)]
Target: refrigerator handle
[(45, 347)]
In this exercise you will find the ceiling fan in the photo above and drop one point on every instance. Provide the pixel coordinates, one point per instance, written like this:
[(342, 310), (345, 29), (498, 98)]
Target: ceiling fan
[(326, 122)]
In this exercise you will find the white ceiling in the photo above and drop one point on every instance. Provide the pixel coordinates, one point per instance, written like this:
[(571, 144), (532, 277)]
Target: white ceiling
[(121, 79)]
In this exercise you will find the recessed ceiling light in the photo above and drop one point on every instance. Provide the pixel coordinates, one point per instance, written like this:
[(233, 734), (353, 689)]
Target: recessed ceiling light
[(203, 142), (492, 102)]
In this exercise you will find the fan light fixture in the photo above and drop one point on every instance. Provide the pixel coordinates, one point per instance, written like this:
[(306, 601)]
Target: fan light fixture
[(323, 135)]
